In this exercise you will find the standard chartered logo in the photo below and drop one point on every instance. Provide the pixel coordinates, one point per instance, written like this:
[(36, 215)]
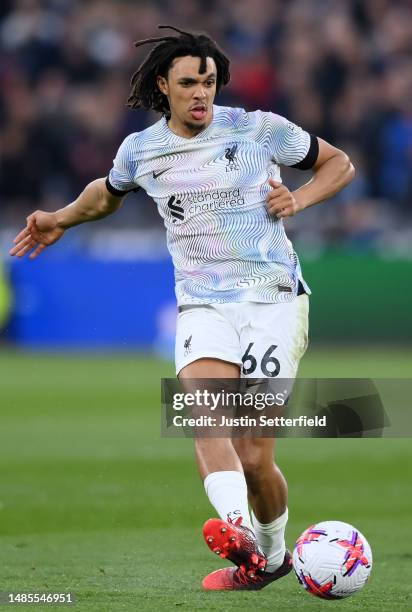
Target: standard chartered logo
[(176, 211), (215, 200), (220, 199)]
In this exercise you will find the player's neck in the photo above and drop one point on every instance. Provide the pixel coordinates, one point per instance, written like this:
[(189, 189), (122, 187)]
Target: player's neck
[(184, 130)]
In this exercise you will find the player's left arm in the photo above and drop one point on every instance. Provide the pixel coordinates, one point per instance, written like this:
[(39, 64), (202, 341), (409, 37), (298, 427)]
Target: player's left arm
[(332, 171)]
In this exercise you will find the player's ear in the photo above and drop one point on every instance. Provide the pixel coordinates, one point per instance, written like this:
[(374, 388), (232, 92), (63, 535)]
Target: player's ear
[(162, 85)]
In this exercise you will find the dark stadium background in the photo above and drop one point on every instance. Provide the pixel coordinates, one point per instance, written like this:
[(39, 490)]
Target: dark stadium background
[(88, 486)]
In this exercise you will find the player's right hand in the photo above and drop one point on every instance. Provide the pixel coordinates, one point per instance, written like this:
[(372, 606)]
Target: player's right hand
[(41, 231)]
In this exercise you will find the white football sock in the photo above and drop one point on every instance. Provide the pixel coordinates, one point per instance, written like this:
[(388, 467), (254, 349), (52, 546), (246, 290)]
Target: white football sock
[(227, 492), (271, 537)]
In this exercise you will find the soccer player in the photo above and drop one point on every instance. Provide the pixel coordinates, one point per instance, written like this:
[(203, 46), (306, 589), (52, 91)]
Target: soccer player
[(214, 174)]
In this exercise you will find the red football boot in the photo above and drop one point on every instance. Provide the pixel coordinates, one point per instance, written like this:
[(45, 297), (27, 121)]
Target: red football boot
[(235, 542), (234, 579)]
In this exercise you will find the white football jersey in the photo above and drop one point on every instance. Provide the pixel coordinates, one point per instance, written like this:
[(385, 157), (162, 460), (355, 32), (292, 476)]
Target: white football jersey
[(210, 191)]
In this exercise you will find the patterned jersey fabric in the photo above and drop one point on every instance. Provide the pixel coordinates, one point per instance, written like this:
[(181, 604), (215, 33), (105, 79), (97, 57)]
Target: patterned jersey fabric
[(210, 191)]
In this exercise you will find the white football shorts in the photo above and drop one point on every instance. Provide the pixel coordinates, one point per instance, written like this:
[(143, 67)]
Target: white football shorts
[(265, 340)]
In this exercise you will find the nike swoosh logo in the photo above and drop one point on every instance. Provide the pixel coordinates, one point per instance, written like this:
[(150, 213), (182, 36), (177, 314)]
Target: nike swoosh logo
[(156, 174)]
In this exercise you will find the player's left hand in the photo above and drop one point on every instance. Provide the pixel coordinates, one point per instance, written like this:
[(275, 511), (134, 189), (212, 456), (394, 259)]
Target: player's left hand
[(280, 201)]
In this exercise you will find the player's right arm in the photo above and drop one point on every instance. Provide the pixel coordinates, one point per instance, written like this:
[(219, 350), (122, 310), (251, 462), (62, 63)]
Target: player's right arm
[(44, 228)]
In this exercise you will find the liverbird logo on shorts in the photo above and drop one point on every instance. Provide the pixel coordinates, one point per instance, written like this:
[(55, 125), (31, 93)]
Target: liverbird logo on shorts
[(186, 345), (230, 155)]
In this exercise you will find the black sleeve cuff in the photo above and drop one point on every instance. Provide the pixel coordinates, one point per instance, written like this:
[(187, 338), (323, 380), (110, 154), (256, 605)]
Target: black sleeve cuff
[(118, 192), (312, 155)]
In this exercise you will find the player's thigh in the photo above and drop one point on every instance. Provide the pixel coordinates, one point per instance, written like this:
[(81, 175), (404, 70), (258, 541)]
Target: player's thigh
[(275, 338), (208, 342), (208, 358), (209, 368)]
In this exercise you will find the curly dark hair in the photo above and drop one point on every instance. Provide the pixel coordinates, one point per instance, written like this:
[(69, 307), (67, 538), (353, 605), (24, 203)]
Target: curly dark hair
[(145, 92)]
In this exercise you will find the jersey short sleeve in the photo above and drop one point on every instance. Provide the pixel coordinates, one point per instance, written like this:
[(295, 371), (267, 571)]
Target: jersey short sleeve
[(120, 180), (290, 145)]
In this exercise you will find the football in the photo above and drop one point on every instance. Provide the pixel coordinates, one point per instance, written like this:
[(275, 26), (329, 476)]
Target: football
[(332, 560)]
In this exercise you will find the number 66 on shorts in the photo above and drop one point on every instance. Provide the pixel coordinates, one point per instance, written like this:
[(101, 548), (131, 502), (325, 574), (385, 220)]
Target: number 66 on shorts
[(265, 340)]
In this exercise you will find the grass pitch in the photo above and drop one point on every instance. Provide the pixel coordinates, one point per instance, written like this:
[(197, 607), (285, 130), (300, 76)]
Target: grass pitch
[(93, 501)]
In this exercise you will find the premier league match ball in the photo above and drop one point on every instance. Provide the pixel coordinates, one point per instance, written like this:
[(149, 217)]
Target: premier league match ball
[(332, 560)]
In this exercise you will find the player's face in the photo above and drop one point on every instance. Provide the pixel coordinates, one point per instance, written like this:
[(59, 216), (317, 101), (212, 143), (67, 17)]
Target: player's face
[(190, 94)]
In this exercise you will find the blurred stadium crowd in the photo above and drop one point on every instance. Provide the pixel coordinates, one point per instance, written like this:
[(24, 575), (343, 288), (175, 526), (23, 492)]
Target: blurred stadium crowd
[(341, 69)]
